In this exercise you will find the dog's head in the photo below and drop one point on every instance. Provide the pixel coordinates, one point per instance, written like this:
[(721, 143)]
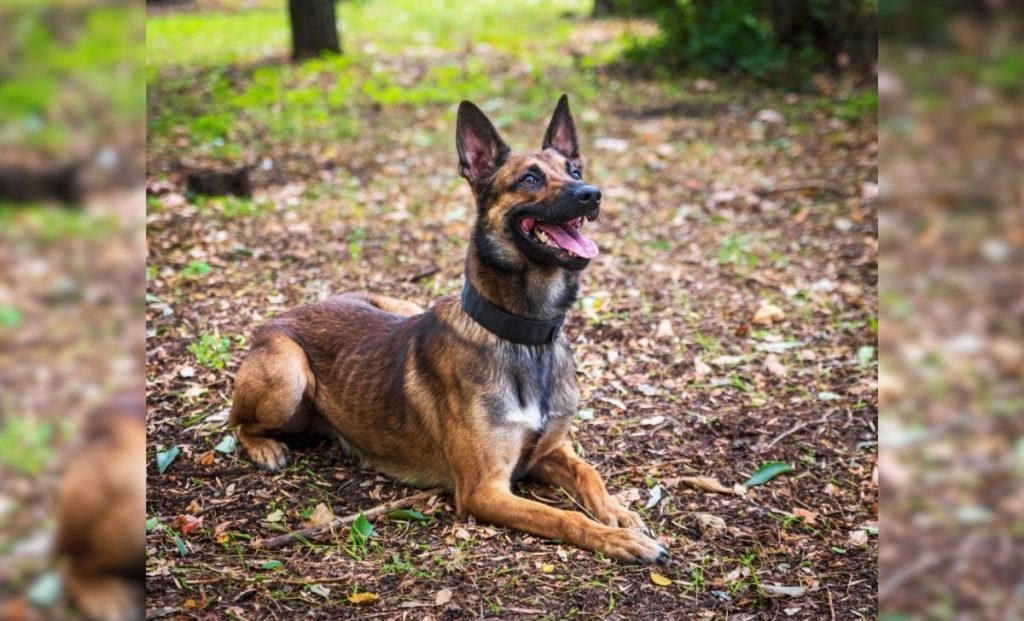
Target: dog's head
[(530, 206)]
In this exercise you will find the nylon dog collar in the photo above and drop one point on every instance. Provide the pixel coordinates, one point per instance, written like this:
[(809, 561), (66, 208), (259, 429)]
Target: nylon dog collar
[(505, 325)]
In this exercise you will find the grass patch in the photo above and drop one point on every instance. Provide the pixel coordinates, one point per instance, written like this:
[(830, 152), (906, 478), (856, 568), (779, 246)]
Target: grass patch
[(25, 446), (213, 351)]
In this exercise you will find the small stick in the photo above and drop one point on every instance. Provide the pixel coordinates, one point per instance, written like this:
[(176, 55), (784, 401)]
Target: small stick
[(370, 514), (795, 428)]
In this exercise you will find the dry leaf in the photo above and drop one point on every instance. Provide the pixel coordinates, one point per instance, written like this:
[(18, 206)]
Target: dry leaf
[(767, 314), (187, 523), (710, 526), (700, 368), (363, 598), (443, 597), (774, 590), (858, 538), (664, 330), (322, 514), (775, 366), (206, 459), (708, 484), (660, 580), (807, 516)]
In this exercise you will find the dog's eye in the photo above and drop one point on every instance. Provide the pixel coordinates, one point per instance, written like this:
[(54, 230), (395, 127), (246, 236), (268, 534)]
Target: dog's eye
[(530, 179), (575, 174)]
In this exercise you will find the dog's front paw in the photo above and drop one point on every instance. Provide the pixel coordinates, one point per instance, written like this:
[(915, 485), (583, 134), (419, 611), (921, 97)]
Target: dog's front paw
[(616, 515), (632, 546)]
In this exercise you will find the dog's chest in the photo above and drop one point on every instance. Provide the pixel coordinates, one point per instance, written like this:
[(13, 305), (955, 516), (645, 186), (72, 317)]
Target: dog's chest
[(536, 385)]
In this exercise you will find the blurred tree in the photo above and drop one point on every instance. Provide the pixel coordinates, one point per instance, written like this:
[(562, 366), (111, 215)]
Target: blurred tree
[(778, 39), (314, 28), (627, 8)]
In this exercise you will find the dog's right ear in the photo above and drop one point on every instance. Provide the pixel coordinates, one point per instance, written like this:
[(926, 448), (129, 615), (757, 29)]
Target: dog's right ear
[(481, 150)]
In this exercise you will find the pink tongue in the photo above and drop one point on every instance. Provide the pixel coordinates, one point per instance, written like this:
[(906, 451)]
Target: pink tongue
[(569, 238)]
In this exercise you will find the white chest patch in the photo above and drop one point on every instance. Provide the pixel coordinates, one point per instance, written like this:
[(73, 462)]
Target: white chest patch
[(529, 416)]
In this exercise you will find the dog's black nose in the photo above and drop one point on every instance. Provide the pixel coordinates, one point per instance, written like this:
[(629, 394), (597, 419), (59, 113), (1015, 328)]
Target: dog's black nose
[(588, 195)]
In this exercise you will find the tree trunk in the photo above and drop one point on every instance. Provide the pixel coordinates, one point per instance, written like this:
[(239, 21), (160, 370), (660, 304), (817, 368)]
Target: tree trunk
[(604, 8), (314, 28)]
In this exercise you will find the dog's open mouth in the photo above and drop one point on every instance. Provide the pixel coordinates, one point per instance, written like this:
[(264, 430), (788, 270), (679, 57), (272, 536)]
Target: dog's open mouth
[(559, 237)]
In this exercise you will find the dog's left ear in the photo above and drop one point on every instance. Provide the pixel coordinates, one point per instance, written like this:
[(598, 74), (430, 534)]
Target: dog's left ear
[(561, 134)]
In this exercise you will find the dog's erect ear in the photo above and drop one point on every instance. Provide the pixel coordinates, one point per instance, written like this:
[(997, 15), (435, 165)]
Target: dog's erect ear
[(481, 150), (561, 134)]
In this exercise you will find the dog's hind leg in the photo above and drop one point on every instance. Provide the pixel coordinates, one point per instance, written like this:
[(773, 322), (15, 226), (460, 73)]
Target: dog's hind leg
[(391, 305), (271, 396)]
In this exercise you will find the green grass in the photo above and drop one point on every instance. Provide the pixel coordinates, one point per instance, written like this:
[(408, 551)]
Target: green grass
[(385, 26), (213, 351), (25, 446), (221, 81)]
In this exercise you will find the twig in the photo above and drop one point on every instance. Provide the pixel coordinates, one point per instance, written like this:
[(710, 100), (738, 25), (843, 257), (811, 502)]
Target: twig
[(818, 186), (795, 428), (370, 514), (921, 565), (650, 466), (831, 606)]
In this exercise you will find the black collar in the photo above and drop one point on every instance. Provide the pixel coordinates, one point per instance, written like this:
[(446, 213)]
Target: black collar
[(505, 325)]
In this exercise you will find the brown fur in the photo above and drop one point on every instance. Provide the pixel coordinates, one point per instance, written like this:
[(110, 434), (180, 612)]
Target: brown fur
[(432, 398), (101, 513)]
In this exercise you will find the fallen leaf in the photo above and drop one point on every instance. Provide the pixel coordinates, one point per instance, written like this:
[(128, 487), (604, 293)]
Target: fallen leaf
[(206, 459), (767, 314), (656, 495), (46, 590), (806, 515), (664, 330), (660, 580), (775, 366), (365, 597), (652, 421), (166, 458), (321, 515), (275, 515), (774, 590), (187, 523), (408, 514), (319, 589), (273, 564), (858, 538), (708, 484), (547, 568), (648, 390), (767, 472), (226, 445), (700, 368), (443, 597), (462, 533), (710, 526)]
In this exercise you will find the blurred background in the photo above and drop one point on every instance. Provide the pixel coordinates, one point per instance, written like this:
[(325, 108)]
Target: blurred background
[(72, 253), (302, 148), (951, 383)]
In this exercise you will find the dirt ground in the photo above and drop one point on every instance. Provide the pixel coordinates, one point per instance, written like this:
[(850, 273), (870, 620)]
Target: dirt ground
[(729, 321)]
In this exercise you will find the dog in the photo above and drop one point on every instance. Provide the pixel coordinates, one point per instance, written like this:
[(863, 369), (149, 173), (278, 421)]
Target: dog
[(101, 513), (476, 392)]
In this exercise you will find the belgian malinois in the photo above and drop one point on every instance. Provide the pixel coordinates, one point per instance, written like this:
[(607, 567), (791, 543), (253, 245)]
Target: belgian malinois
[(101, 507), (479, 390)]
